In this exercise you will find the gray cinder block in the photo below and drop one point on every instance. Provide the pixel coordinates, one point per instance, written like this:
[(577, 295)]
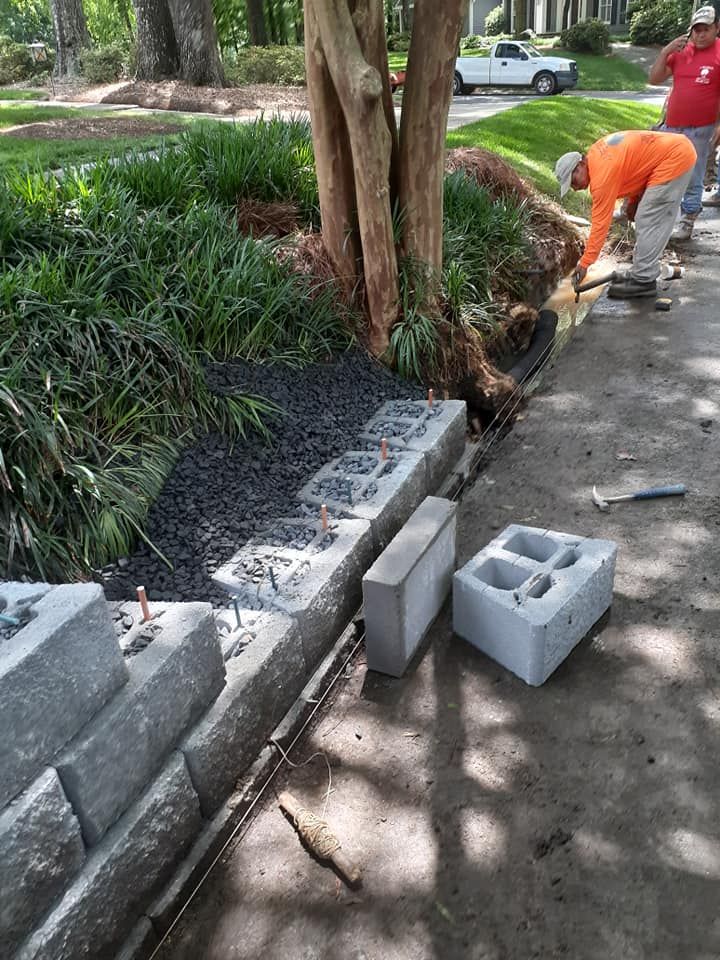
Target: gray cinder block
[(319, 586), (172, 681), (438, 432), (124, 871), (530, 595), (55, 674), (263, 679), (386, 493), (407, 585), (41, 851)]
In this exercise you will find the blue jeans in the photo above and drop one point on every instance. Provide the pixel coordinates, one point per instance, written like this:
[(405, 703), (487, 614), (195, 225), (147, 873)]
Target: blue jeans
[(700, 138)]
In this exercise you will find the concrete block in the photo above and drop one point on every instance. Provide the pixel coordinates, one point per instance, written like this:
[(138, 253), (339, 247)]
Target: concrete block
[(55, 674), (263, 679), (172, 682), (530, 595), (320, 585), (41, 851), (438, 432), (407, 585), (360, 484), (126, 870)]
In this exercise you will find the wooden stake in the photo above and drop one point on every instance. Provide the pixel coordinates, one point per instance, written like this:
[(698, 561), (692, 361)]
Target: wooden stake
[(144, 604), (319, 838), (323, 516), (430, 398), (383, 449)]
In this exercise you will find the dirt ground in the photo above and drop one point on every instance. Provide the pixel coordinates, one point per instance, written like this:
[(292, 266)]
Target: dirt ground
[(498, 821), (90, 128)]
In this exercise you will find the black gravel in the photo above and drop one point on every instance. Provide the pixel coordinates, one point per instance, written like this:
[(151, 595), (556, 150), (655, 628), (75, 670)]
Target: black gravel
[(217, 498)]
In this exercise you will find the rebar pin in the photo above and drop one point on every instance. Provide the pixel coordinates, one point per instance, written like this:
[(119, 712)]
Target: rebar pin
[(383, 449), (324, 516), (237, 613), (348, 488), (430, 398), (273, 581), (142, 597)]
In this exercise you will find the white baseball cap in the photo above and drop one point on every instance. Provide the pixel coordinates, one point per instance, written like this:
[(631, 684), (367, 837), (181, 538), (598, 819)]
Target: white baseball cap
[(564, 169), (704, 15)]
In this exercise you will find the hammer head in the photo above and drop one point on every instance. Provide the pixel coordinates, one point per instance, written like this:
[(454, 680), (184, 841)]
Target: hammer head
[(598, 500)]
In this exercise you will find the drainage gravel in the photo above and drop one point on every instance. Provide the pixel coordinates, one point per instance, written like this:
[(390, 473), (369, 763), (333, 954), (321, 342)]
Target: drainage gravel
[(219, 496)]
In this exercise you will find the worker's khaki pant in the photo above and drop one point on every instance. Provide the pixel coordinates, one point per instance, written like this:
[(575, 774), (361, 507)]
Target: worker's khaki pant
[(654, 222)]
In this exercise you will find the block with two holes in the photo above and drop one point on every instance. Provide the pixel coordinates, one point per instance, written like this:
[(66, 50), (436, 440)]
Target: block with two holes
[(531, 595)]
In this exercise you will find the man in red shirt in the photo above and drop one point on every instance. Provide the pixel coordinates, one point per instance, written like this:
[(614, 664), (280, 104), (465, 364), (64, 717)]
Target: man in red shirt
[(650, 169), (694, 102)]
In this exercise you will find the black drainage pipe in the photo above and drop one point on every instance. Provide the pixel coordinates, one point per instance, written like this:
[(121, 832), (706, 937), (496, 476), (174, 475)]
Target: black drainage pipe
[(537, 352)]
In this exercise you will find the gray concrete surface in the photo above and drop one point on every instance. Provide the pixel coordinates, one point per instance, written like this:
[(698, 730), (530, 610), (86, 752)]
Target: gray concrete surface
[(499, 821)]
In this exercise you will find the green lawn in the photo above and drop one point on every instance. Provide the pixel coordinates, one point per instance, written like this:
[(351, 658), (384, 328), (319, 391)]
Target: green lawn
[(14, 93), (596, 73), (532, 136), (51, 154)]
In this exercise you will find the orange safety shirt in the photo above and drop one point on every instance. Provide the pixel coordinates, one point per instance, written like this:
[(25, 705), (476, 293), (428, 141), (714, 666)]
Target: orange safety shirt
[(625, 164)]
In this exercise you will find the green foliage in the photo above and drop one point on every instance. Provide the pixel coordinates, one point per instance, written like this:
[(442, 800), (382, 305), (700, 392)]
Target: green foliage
[(26, 21), (484, 237), (107, 63), (110, 22), (399, 42), (496, 21), (414, 339), (283, 65), (590, 36), (658, 21), (118, 283), (16, 64), (472, 42)]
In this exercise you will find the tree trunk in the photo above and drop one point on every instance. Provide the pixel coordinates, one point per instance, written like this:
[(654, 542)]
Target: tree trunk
[(194, 23), (298, 25), (272, 25), (426, 101), (256, 23), (157, 52), (406, 22), (360, 90), (520, 9), (333, 161), (71, 35), (566, 14)]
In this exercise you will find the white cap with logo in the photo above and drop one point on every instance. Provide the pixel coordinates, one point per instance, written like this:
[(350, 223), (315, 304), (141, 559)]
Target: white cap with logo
[(704, 15)]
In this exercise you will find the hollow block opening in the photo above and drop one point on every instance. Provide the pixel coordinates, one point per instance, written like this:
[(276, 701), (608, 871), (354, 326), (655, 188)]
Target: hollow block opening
[(532, 545), (501, 574)]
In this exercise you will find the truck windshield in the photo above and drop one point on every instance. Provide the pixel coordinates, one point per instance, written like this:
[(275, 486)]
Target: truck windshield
[(531, 50)]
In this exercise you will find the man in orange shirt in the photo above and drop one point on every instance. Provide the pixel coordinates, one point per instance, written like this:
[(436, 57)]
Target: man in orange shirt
[(650, 169)]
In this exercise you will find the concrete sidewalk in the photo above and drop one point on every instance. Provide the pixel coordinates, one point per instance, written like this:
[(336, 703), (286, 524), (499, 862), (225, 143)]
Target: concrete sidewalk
[(498, 821)]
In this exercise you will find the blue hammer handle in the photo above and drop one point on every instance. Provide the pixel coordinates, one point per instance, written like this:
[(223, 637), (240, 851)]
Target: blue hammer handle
[(677, 490)]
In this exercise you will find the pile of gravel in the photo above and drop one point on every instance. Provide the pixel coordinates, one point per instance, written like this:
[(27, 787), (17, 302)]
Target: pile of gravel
[(217, 498)]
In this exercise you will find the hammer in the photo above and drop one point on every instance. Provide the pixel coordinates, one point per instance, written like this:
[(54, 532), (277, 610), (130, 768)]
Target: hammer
[(582, 287), (603, 503)]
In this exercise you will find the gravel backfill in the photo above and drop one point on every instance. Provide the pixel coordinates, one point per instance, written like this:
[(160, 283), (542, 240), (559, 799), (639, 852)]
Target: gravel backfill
[(217, 498)]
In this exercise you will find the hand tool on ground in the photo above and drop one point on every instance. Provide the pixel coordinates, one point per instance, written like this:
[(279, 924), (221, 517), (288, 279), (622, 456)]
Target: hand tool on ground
[(591, 284), (318, 837), (603, 503)]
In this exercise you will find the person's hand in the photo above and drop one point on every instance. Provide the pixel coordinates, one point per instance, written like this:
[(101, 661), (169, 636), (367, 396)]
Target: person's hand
[(579, 274), (675, 45)]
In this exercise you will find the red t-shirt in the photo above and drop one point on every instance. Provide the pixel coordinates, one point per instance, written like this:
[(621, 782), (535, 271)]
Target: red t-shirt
[(695, 96)]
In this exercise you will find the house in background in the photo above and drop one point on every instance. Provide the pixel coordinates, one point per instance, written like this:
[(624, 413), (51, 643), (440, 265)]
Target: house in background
[(552, 16), (474, 19)]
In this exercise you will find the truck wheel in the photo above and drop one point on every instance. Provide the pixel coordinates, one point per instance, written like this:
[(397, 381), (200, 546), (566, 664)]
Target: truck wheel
[(458, 85), (545, 84)]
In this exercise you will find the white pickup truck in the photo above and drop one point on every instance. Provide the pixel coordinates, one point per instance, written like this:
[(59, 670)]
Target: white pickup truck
[(514, 63)]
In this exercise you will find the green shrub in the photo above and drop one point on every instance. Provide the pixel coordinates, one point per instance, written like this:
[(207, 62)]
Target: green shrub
[(472, 42), (398, 42), (16, 64), (107, 63), (587, 36), (496, 21), (283, 65), (658, 21)]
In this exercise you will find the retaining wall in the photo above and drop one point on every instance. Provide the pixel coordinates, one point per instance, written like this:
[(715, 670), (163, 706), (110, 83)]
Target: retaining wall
[(123, 740)]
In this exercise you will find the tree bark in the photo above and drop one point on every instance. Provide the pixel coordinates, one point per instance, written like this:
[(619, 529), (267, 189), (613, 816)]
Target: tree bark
[(520, 9), (406, 22), (333, 162), (71, 35), (157, 51), (194, 23), (360, 91), (256, 23), (426, 101), (272, 25)]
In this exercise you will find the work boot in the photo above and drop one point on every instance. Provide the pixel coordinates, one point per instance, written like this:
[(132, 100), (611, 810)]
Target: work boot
[(713, 198), (627, 288), (684, 227)]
